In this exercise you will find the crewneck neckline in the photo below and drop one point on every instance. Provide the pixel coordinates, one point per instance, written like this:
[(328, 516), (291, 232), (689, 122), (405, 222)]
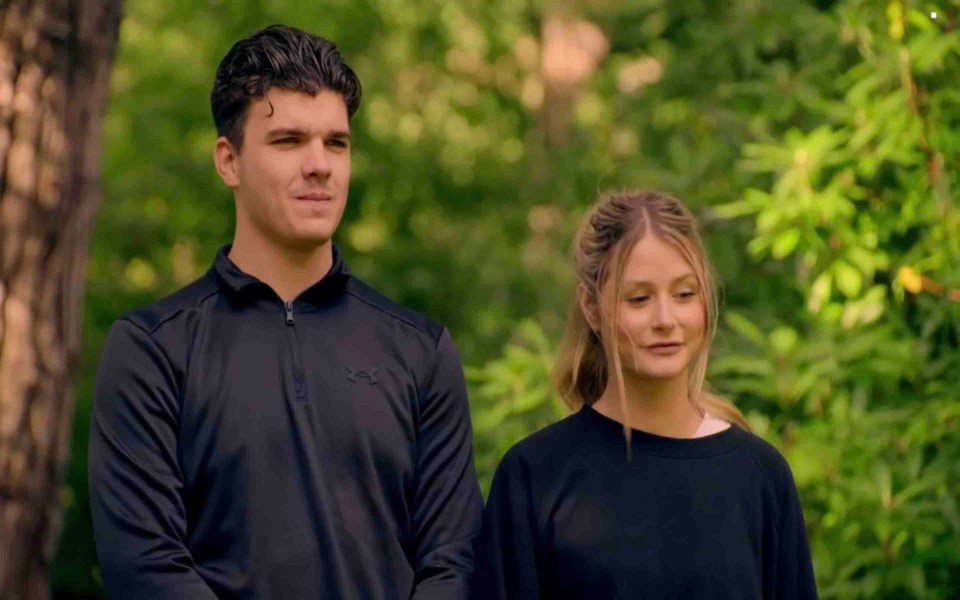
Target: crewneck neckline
[(644, 442)]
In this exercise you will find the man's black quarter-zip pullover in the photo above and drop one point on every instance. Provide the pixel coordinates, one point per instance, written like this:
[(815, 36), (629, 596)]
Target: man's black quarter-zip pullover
[(243, 447)]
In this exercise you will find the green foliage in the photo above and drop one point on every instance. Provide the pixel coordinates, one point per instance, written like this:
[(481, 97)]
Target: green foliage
[(512, 396), (835, 345), (818, 141), (852, 210)]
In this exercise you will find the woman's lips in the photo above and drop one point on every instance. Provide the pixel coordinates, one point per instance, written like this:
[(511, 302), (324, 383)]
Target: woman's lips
[(665, 349)]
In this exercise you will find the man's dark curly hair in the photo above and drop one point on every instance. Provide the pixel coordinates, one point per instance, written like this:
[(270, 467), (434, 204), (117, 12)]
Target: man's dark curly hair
[(278, 56)]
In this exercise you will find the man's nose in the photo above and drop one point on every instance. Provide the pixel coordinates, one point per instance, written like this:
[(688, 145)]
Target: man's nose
[(316, 162)]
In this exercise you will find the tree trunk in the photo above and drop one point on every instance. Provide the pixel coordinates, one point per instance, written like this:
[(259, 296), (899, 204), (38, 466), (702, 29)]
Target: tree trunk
[(55, 59)]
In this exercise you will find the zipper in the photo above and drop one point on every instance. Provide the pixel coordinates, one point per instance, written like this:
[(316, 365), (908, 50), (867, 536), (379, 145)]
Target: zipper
[(297, 362)]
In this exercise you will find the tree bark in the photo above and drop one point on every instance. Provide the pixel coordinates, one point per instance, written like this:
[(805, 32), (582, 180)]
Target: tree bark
[(55, 60)]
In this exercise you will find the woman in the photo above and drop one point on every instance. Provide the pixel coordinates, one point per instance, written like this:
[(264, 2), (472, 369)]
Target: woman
[(692, 505)]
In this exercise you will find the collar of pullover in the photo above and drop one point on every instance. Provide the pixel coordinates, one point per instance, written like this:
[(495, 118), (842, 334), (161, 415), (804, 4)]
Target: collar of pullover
[(225, 272)]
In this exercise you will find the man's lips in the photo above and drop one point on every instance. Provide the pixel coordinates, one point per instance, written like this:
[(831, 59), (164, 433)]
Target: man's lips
[(314, 197)]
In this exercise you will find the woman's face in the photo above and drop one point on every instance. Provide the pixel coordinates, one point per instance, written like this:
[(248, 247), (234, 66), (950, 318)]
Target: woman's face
[(662, 312)]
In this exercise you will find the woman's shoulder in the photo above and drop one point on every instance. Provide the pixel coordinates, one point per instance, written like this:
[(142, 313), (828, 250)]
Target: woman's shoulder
[(768, 460), (554, 439), (539, 464), (547, 451)]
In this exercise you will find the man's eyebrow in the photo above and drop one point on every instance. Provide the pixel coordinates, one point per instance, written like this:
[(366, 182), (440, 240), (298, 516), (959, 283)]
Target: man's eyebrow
[(282, 131), (337, 134)]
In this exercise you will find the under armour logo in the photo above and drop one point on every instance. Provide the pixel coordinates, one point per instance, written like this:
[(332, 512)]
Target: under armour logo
[(371, 376)]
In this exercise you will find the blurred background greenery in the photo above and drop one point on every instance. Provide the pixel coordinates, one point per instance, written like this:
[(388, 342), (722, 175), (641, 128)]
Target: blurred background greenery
[(817, 141)]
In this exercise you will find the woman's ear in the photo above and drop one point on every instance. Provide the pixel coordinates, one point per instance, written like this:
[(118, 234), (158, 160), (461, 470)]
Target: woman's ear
[(589, 307)]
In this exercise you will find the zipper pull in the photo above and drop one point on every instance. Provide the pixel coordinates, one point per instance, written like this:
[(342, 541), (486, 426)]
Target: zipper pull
[(289, 308)]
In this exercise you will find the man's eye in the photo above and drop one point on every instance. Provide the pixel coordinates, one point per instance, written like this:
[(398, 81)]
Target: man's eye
[(286, 140), (337, 143)]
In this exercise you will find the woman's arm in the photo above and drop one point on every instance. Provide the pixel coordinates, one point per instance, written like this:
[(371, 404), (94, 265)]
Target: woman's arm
[(507, 562)]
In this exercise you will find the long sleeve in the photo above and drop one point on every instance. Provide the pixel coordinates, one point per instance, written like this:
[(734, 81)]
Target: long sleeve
[(790, 574), (447, 505), (139, 518), (507, 565)]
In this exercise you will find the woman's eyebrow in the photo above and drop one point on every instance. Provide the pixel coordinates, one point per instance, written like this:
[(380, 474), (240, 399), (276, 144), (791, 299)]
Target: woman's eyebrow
[(642, 282)]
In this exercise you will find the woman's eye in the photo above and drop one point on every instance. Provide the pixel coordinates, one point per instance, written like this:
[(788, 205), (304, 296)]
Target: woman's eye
[(638, 299), (686, 295)]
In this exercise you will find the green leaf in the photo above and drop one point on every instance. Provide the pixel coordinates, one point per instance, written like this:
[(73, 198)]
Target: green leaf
[(785, 243), (745, 327), (849, 279), (819, 292), (783, 340), (732, 210)]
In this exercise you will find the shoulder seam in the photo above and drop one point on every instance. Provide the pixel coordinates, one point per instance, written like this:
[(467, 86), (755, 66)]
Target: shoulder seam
[(428, 377), (767, 487), (160, 349), (395, 316), (179, 310), (542, 510), (547, 502)]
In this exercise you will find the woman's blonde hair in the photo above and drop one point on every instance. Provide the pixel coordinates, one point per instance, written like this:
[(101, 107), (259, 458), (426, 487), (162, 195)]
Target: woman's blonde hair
[(609, 232)]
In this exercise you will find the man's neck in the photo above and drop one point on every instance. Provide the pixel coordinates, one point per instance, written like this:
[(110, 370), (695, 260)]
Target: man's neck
[(656, 406), (289, 271)]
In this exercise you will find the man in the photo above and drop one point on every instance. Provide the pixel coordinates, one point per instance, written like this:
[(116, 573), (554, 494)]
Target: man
[(277, 429)]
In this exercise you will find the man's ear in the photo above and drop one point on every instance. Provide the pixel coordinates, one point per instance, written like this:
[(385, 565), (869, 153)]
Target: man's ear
[(225, 158), (589, 307)]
